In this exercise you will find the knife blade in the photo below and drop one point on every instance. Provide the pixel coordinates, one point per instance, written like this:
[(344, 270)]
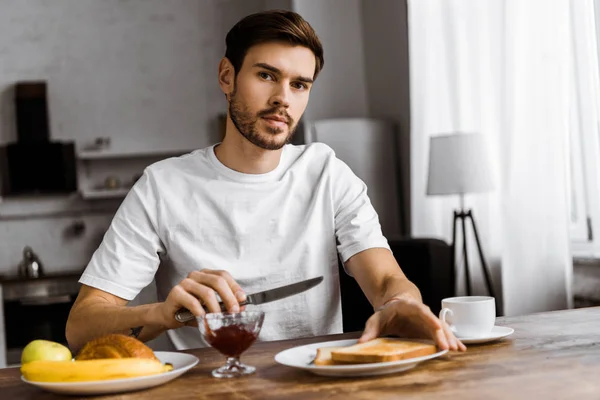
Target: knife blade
[(267, 296)]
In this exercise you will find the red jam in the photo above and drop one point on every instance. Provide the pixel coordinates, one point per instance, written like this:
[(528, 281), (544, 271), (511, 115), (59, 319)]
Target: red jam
[(231, 340)]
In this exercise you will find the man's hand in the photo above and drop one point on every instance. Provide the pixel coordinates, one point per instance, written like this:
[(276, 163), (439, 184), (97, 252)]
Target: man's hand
[(407, 317), (201, 288)]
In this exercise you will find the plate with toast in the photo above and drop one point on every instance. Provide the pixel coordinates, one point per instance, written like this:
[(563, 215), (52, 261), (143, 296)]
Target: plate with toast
[(350, 358)]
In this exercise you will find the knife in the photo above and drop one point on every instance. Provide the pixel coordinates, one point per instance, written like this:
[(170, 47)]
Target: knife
[(184, 315)]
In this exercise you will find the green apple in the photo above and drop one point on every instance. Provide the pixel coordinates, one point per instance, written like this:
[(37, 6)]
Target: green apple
[(45, 350)]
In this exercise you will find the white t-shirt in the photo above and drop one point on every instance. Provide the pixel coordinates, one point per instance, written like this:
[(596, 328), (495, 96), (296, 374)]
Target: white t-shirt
[(267, 230)]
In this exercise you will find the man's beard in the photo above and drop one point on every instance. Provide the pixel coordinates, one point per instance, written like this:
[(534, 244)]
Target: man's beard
[(245, 122)]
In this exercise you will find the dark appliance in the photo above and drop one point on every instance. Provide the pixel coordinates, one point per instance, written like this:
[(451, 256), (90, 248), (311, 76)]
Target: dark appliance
[(34, 164), (36, 309)]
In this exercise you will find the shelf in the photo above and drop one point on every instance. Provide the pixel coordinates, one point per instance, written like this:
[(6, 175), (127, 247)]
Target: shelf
[(91, 194), (111, 154)]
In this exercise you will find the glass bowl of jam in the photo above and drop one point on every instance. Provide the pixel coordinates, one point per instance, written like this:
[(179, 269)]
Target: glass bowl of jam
[(231, 334)]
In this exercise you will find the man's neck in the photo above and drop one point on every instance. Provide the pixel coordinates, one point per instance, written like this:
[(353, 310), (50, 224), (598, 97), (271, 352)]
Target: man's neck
[(238, 154)]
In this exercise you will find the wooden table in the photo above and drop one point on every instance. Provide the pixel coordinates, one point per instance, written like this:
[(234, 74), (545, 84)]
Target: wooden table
[(552, 355)]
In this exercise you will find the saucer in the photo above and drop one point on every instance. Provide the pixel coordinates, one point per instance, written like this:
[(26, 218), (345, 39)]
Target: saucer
[(497, 332)]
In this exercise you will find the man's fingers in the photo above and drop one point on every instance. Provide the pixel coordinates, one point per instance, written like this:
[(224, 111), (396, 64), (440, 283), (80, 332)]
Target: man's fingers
[(460, 346), (203, 293), (439, 337), (452, 342), (220, 285), (181, 296), (443, 335), (429, 319), (408, 317), (372, 328), (237, 290)]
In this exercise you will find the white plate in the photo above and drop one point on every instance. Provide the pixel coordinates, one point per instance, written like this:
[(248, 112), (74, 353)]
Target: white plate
[(498, 332), (303, 356), (181, 363)]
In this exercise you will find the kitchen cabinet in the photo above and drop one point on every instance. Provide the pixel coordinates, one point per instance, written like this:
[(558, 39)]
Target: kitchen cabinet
[(109, 174)]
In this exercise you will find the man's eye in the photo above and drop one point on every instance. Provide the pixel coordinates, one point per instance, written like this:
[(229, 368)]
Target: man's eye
[(266, 76), (300, 85)]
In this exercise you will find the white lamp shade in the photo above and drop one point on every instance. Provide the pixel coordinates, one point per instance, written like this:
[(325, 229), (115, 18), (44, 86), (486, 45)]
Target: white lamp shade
[(458, 164)]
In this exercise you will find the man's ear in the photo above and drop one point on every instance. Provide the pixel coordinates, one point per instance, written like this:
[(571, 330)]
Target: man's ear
[(226, 76)]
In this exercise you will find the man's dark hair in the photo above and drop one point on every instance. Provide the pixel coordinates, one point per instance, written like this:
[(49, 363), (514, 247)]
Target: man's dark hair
[(271, 26)]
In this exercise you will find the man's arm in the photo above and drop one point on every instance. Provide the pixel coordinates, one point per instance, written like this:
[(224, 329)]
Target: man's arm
[(397, 302), (96, 313), (380, 277), (399, 309)]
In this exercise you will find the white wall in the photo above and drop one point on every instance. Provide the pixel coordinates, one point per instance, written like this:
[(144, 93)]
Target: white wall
[(279, 5), (143, 72), (385, 30), (52, 241), (341, 88), (140, 71)]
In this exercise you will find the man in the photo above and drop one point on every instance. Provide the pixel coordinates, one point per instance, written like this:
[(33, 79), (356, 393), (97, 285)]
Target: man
[(248, 214)]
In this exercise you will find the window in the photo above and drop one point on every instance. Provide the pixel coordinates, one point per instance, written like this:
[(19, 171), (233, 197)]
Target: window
[(584, 144)]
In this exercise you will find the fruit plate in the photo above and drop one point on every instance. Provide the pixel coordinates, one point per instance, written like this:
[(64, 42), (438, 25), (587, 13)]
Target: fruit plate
[(181, 363), (302, 357)]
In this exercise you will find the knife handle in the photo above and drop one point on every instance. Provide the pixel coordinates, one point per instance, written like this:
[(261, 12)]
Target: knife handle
[(185, 315)]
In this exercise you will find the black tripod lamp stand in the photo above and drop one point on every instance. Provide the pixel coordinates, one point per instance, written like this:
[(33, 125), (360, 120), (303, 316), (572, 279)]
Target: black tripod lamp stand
[(463, 215), (458, 164)]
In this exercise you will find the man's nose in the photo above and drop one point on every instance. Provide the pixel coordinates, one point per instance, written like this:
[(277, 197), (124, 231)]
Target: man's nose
[(280, 97)]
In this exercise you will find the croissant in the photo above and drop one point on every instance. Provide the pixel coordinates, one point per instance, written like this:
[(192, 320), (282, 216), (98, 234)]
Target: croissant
[(115, 346)]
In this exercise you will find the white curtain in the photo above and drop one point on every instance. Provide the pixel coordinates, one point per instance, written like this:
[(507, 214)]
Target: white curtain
[(500, 68)]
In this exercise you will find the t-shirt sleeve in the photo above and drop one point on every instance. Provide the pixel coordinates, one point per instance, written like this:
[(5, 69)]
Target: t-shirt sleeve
[(356, 221), (129, 255)]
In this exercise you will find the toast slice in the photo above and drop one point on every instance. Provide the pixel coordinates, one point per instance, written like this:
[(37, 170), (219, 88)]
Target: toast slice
[(324, 356), (380, 350)]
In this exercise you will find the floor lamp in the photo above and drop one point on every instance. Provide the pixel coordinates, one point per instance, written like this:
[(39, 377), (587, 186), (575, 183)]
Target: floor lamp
[(459, 165)]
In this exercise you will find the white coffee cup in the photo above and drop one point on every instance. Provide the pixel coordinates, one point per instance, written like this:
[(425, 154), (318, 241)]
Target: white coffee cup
[(469, 316)]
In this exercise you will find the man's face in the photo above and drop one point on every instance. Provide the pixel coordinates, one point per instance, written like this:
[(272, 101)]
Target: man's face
[(270, 93)]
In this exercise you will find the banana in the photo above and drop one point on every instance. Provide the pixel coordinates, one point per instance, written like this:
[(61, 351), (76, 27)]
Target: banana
[(91, 370)]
